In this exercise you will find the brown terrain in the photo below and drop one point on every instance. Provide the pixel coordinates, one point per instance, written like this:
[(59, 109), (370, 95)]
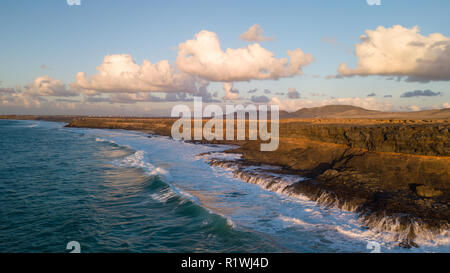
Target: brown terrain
[(393, 169)]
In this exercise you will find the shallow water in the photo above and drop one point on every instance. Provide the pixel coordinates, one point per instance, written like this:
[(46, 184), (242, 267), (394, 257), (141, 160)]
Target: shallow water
[(121, 191)]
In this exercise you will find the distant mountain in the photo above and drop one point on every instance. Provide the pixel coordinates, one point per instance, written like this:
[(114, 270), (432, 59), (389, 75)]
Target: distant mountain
[(329, 111), (349, 111)]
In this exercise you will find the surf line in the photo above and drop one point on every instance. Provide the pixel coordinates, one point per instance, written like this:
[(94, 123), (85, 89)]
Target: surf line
[(213, 129)]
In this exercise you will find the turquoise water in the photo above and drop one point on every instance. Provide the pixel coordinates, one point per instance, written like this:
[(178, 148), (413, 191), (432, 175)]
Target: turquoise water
[(121, 191)]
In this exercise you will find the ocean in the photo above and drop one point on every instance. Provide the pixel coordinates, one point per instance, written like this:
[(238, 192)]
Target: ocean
[(124, 191)]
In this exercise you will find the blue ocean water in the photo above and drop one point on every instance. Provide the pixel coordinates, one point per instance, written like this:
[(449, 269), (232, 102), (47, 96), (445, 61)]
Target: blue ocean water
[(122, 191)]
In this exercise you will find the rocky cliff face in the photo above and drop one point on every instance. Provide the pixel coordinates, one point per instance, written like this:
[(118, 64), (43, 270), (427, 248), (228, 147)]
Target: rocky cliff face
[(160, 126), (410, 192), (419, 139), (431, 139)]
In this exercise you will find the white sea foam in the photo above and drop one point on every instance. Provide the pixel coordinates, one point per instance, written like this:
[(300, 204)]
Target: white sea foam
[(298, 222), (27, 124), (98, 139), (138, 160), (219, 155), (164, 195)]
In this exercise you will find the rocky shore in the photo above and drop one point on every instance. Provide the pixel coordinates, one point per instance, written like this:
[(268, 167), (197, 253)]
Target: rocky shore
[(394, 173)]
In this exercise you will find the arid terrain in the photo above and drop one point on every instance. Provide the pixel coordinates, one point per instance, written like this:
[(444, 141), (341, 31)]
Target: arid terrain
[(384, 166)]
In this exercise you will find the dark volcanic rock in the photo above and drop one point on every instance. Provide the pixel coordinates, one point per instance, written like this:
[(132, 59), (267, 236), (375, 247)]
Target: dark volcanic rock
[(409, 139)]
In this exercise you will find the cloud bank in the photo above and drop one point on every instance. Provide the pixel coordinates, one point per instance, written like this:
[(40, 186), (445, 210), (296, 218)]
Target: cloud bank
[(120, 73), (34, 94)]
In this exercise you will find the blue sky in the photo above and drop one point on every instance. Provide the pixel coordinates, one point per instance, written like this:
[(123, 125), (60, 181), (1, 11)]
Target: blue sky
[(71, 39)]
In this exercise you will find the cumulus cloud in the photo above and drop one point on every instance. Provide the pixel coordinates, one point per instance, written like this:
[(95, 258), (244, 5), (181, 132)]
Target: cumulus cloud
[(21, 99), (388, 96), (420, 93), (372, 95), (199, 61), (231, 93), (47, 86), (35, 94), (133, 97), (147, 97), (255, 34), (252, 90), (267, 91), (120, 73), (402, 52), (260, 99), (293, 93), (367, 103), (204, 57)]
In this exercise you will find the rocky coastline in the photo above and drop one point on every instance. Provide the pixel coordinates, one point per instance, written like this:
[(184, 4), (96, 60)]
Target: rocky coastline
[(395, 174)]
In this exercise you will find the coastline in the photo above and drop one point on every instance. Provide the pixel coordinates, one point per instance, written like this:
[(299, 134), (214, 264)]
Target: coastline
[(405, 193)]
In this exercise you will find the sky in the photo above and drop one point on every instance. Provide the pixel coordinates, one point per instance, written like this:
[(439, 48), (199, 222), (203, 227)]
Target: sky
[(112, 57)]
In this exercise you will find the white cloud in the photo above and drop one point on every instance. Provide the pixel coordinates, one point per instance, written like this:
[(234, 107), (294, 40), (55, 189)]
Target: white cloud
[(231, 93), (403, 52), (21, 99), (145, 97), (47, 86), (34, 95), (204, 57), (260, 99), (255, 34), (293, 93), (120, 73)]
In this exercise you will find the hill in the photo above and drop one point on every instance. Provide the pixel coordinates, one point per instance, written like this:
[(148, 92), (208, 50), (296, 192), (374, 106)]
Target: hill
[(349, 111)]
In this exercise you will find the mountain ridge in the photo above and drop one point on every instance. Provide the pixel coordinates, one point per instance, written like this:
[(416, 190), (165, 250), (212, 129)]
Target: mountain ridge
[(350, 111)]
